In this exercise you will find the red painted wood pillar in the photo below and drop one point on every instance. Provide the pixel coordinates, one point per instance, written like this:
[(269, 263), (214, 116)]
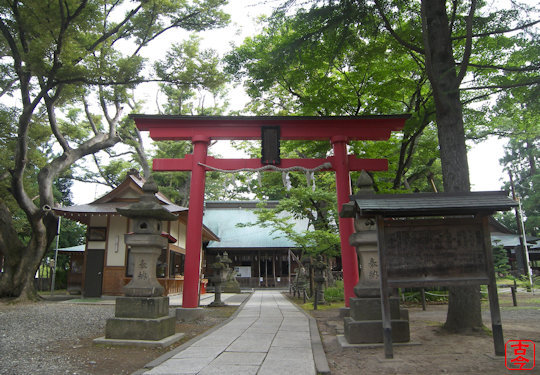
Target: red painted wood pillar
[(349, 259), (190, 295)]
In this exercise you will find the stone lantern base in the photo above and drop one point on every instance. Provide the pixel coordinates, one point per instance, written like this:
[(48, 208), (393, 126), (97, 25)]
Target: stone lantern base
[(141, 319), (364, 325)]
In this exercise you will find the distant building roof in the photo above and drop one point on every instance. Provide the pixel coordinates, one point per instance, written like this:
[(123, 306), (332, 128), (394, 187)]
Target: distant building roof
[(76, 249), (222, 218)]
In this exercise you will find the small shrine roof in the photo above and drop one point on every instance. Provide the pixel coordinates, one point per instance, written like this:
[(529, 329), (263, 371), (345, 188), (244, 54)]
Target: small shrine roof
[(83, 212), (128, 192), (429, 204)]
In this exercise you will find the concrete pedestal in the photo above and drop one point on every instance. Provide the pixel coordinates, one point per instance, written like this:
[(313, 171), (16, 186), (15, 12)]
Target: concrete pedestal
[(141, 318), (189, 314), (364, 325)]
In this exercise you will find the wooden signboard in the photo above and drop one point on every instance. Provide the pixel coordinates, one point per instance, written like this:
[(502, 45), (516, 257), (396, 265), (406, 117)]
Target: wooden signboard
[(428, 252), (435, 252)]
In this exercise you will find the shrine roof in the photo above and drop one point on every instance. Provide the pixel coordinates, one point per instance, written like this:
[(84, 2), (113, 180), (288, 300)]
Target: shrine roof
[(429, 204), (222, 218)]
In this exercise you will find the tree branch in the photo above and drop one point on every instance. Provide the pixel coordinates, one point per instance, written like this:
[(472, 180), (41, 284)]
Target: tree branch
[(468, 43), (498, 31), (115, 29), (49, 104), (520, 84), (388, 27), (89, 115), (532, 68)]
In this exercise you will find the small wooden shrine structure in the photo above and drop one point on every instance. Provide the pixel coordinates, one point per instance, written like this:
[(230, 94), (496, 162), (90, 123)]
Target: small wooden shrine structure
[(433, 239)]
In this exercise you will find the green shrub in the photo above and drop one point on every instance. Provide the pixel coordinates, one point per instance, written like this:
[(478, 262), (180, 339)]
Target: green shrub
[(335, 293)]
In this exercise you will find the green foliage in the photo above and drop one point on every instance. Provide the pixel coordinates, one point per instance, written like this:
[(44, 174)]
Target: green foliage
[(500, 261), (335, 293), (62, 57), (192, 74), (521, 158), (325, 62)]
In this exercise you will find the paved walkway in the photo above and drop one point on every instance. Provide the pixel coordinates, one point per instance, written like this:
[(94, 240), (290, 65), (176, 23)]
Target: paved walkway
[(269, 336)]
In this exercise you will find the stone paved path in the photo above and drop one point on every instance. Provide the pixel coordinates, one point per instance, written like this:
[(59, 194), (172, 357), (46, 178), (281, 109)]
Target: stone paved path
[(269, 336)]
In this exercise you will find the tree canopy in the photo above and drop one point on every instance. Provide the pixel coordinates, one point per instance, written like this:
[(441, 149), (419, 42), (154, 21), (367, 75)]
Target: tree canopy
[(60, 57), (430, 58)]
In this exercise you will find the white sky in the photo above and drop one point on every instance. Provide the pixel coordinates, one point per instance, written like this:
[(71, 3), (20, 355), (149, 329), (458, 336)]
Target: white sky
[(485, 172)]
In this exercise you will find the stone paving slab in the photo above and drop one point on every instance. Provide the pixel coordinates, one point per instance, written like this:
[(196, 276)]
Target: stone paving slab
[(268, 336)]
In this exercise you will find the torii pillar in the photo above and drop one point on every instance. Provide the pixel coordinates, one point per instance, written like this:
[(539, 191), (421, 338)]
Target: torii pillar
[(201, 129)]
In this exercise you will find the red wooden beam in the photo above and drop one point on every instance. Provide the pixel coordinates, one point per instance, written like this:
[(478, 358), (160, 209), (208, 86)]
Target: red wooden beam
[(249, 127), (185, 164)]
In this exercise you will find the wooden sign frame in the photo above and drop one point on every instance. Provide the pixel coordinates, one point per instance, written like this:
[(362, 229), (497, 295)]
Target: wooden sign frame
[(433, 273)]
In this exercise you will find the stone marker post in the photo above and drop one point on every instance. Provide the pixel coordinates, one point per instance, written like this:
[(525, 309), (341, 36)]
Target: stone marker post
[(364, 325), (319, 266)]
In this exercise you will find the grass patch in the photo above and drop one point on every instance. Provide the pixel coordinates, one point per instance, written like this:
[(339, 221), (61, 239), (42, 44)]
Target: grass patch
[(58, 292), (82, 300), (308, 306)]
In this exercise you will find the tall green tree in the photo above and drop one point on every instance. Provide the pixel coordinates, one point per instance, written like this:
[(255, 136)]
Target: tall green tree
[(450, 41), (57, 53), (296, 65)]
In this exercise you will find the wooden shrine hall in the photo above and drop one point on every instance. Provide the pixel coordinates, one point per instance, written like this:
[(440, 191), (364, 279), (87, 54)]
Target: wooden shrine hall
[(201, 130)]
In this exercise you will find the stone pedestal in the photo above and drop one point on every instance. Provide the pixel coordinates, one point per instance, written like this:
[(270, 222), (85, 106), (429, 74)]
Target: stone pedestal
[(141, 318), (364, 325)]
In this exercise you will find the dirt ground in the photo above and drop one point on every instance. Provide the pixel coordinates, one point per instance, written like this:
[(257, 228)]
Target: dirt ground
[(432, 350), (118, 360)]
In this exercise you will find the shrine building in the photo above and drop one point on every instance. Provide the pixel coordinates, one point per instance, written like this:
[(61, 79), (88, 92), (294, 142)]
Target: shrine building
[(106, 265)]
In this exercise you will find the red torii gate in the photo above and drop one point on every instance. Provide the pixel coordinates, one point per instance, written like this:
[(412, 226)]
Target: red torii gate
[(201, 129)]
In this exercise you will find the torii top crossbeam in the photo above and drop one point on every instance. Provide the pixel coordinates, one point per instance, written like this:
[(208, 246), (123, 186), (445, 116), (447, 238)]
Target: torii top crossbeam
[(249, 127), (201, 129)]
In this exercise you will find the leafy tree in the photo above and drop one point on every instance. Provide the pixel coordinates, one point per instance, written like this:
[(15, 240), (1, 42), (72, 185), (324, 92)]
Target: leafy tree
[(297, 66), (449, 41), (521, 158), (190, 76), (59, 54)]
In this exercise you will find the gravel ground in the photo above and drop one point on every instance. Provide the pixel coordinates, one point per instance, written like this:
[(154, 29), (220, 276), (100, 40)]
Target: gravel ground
[(26, 349), (55, 338)]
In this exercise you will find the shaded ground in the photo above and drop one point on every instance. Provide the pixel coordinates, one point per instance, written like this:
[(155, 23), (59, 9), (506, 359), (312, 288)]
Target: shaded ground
[(437, 352), (56, 338), (57, 341), (107, 360)]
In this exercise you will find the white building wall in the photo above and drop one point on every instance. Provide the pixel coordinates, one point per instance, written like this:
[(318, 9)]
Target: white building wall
[(116, 247)]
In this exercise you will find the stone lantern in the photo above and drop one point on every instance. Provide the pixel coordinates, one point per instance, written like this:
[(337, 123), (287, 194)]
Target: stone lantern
[(365, 241), (143, 313), (364, 323), (320, 267), (146, 241), (221, 272)]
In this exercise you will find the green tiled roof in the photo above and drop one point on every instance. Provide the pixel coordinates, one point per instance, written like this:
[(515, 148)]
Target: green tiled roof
[(223, 220)]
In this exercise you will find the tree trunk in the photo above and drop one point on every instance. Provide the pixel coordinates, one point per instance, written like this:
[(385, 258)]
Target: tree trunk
[(21, 261), (464, 310)]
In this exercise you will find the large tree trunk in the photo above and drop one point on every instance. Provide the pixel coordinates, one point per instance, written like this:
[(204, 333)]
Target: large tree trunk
[(464, 311), (21, 261)]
